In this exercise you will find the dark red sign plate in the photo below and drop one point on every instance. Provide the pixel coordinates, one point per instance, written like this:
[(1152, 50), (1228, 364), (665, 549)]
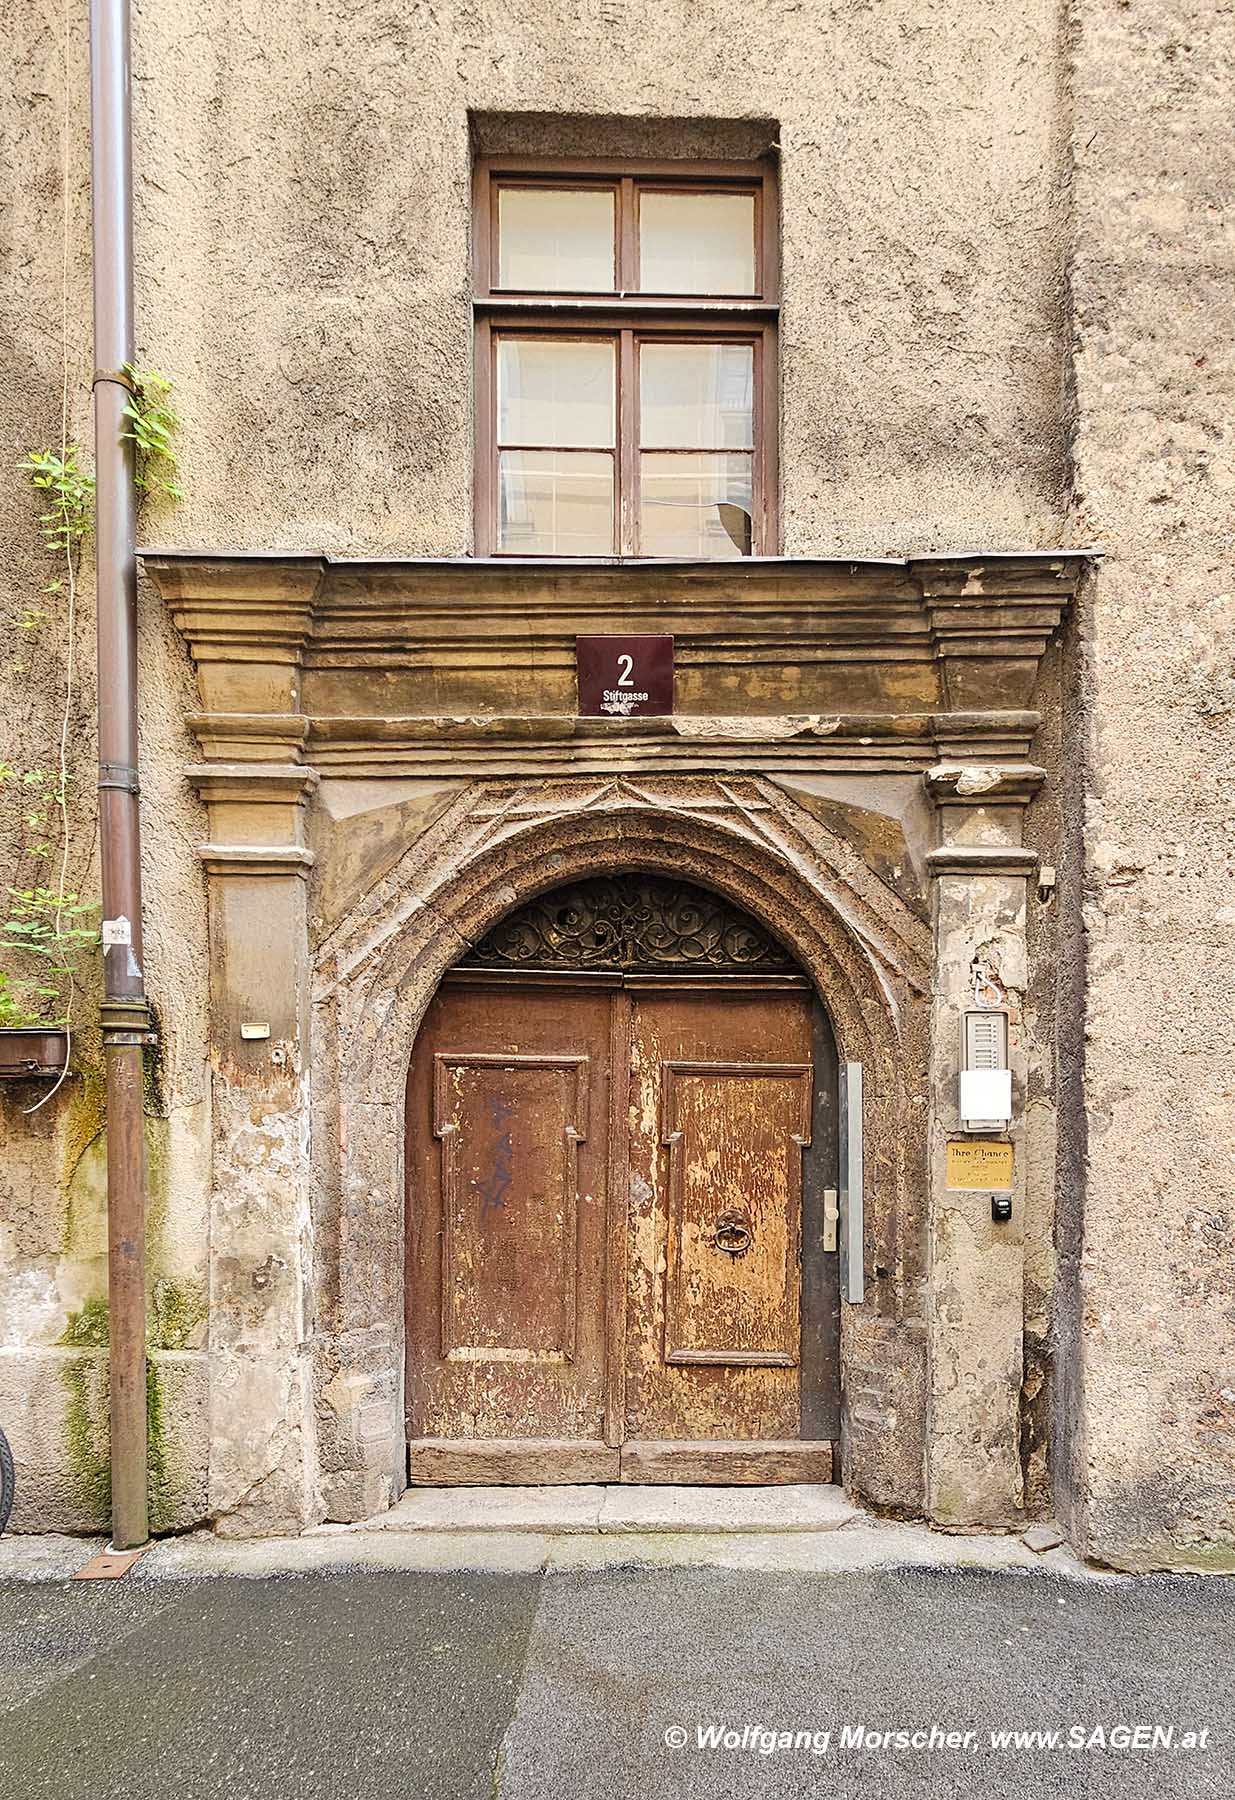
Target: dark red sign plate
[(625, 677)]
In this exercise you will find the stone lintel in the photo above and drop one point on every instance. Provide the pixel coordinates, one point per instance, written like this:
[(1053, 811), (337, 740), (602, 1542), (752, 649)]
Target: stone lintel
[(511, 744), (229, 578), (246, 621), (506, 744), (962, 634), (965, 576)]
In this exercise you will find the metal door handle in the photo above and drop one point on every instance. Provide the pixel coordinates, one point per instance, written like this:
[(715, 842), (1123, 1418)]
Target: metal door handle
[(831, 1217)]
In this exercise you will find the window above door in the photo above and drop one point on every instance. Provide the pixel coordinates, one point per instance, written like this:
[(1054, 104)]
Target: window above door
[(626, 376)]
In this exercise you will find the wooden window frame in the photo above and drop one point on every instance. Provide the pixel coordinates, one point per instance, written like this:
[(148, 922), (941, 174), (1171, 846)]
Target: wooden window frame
[(627, 317)]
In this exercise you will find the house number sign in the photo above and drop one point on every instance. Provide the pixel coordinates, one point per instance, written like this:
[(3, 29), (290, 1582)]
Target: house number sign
[(624, 677)]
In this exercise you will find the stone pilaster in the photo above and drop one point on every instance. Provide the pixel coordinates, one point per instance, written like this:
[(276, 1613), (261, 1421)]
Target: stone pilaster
[(263, 1461), (976, 1264)]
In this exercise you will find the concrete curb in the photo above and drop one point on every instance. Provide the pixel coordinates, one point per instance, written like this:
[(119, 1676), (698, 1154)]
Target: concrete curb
[(861, 1545), (852, 1544)]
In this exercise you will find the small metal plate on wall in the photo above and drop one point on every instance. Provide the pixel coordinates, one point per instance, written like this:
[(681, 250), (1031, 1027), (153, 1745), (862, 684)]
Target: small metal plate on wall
[(624, 677), (977, 1167)]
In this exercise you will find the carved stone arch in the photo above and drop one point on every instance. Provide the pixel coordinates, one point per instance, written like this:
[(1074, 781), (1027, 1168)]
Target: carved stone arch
[(495, 849)]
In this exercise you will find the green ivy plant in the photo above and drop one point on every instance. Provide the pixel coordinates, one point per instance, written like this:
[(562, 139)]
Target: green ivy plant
[(153, 423), (47, 936), (42, 793), (58, 478), (49, 932)]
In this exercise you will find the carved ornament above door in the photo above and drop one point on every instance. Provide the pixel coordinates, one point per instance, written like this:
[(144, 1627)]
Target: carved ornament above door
[(635, 923)]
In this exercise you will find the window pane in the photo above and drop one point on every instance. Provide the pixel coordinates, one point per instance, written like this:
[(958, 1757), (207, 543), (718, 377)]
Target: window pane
[(695, 506), (696, 395), (697, 243), (554, 391), (555, 503), (556, 240)]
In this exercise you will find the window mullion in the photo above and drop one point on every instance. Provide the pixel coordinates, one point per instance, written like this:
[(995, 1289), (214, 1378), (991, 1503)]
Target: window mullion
[(627, 245), (628, 446)]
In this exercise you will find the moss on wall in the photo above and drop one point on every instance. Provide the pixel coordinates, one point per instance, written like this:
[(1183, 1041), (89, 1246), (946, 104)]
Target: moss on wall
[(85, 1382), (160, 1495), (85, 1116), (83, 1162), (179, 1308), (87, 1329)]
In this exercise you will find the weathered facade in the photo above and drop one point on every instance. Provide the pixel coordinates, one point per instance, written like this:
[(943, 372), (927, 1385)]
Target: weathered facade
[(922, 768)]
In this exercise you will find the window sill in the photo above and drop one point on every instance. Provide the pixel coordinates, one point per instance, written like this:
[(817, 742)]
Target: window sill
[(639, 305)]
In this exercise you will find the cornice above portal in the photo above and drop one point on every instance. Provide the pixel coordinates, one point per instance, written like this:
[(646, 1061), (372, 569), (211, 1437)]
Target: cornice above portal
[(519, 745), (370, 666)]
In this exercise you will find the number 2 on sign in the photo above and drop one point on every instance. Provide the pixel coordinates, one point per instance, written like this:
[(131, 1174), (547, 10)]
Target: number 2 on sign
[(626, 665)]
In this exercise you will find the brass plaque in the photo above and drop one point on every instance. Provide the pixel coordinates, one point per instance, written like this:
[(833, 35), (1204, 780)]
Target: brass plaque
[(973, 1164)]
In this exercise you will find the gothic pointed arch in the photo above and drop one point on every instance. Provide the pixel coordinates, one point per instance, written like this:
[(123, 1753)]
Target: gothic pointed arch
[(490, 857)]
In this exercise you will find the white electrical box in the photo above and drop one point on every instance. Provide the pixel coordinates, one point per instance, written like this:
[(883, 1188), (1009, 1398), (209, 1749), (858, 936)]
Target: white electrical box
[(986, 1080)]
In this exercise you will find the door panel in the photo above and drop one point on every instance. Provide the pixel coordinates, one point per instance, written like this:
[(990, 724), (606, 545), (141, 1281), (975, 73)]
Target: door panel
[(506, 1155), (733, 1133), (510, 1130), (719, 1115)]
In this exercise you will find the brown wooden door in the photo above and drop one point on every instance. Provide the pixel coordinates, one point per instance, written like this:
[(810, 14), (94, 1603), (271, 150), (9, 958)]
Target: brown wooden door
[(507, 1129), (722, 1116), (616, 1267)]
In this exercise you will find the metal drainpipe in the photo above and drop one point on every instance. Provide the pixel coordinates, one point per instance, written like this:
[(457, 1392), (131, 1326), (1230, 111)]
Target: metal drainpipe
[(126, 1016)]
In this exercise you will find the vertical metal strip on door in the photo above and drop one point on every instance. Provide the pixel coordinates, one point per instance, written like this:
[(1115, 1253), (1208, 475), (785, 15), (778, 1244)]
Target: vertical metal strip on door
[(853, 1273)]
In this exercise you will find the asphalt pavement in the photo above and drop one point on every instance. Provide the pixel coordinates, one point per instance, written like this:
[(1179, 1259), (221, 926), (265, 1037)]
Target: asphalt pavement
[(376, 1685)]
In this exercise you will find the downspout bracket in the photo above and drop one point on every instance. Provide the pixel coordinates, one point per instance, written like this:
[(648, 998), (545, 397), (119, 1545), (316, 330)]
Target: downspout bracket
[(116, 375), (119, 775), (127, 1022)]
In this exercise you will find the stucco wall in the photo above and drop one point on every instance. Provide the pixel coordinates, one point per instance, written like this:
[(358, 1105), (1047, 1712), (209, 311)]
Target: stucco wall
[(1153, 1300), (302, 240)]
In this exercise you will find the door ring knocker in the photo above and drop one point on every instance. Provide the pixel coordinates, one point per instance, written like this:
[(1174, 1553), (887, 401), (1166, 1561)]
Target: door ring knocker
[(733, 1234)]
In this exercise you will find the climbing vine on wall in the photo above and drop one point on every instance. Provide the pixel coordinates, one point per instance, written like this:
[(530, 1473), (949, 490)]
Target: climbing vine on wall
[(68, 491), (49, 932), (153, 423)]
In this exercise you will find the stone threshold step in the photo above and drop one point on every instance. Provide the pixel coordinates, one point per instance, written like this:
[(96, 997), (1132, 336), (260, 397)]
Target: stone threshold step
[(719, 1511)]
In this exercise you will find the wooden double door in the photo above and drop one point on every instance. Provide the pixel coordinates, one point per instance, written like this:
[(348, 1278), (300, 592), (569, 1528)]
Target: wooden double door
[(618, 1192)]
